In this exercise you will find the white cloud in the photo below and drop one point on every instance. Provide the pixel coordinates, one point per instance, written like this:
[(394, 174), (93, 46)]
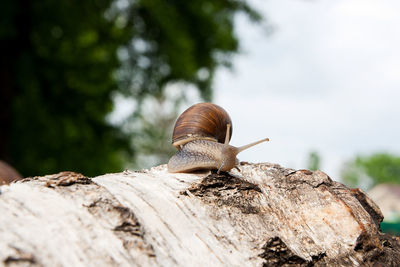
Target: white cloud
[(328, 79)]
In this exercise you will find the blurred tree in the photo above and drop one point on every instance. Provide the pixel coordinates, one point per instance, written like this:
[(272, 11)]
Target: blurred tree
[(63, 61), (368, 171), (314, 161)]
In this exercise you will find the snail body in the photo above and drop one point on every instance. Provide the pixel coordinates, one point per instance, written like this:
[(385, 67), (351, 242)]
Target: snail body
[(201, 135), (202, 154)]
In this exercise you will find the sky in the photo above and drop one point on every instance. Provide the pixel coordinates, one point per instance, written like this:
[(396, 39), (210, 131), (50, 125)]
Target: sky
[(322, 76)]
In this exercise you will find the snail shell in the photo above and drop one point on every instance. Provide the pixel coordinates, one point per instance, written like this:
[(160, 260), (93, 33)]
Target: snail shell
[(204, 121)]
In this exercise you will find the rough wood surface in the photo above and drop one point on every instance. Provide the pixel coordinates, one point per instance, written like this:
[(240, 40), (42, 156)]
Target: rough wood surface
[(256, 215)]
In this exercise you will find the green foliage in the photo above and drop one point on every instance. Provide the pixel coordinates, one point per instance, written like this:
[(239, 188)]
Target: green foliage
[(63, 62), (65, 59), (177, 41), (368, 171), (314, 161), (392, 228)]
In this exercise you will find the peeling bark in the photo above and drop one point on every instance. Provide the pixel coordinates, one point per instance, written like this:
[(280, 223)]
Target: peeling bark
[(256, 215)]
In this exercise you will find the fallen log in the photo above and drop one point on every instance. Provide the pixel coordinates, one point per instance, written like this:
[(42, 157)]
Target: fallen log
[(255, 215)]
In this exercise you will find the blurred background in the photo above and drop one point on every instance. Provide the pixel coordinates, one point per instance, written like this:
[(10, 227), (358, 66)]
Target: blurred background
[(96, 86)]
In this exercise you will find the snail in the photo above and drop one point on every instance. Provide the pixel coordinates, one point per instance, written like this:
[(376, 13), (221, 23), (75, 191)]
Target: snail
[(201, 135)]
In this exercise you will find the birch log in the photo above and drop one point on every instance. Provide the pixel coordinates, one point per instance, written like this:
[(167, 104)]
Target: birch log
[(255, 215)]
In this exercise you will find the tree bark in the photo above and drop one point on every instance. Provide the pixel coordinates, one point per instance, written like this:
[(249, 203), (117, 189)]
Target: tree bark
[(255, 215)]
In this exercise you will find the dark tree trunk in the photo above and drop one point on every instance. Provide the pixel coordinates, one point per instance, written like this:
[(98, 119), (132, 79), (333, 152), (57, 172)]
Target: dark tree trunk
[(14, 46)]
